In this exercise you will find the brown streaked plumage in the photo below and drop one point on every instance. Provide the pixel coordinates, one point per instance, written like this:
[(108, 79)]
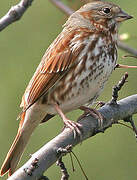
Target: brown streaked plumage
[(72, 72)]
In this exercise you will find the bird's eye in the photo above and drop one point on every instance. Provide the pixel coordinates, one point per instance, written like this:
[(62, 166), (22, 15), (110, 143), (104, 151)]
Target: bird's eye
[(106, 10)]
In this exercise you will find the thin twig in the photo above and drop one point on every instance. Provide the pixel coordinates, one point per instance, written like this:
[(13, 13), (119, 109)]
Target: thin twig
[(72, 163), (61, 6), (120, 123), (80, 165), (65, 175), (125, 66), (129, 55), (63, 151), (117, 88), (15, 13), (127, 48), (130, 120)]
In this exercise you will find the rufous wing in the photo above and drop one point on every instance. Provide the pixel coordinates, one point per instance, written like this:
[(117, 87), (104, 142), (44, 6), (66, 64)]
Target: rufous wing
[(58, 59)]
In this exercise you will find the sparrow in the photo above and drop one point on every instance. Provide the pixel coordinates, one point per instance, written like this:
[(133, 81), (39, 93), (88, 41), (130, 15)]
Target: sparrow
[(71, 74)]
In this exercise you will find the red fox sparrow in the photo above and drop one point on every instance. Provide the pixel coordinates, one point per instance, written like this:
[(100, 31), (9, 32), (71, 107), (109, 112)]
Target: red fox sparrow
[(72, 72)]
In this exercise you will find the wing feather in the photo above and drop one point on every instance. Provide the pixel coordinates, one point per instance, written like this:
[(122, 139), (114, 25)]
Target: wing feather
[(55, 63)]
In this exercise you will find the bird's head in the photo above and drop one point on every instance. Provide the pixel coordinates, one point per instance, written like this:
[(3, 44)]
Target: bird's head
[(100, 15)]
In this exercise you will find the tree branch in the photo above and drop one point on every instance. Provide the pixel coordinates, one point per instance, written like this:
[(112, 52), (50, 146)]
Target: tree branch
[(61, 6), (126, 48), (15, 13), (47, 155)]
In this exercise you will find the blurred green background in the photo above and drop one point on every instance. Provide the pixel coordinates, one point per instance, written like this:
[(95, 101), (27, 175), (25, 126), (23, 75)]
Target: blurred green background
[(112, 155)]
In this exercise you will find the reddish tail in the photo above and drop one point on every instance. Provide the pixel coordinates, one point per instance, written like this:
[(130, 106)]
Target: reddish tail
[(16, 150), (13, 155)]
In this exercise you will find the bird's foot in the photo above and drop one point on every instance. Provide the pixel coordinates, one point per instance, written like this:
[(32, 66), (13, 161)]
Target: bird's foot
[(93, 112), (74, 126)]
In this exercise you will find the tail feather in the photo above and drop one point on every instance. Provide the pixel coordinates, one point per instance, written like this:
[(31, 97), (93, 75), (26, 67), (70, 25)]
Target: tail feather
[(29, 121), (13, 156), (15, 151)]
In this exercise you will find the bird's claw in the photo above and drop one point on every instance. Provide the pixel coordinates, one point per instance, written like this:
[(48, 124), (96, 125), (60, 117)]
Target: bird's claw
[(95, 113), (74, 126)]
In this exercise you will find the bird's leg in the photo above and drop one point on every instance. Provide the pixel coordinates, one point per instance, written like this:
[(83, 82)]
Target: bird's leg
[(95, 113), (74, 126)]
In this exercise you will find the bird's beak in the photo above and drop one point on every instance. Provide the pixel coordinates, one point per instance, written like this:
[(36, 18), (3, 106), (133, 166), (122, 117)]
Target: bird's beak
[(122, 16)]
